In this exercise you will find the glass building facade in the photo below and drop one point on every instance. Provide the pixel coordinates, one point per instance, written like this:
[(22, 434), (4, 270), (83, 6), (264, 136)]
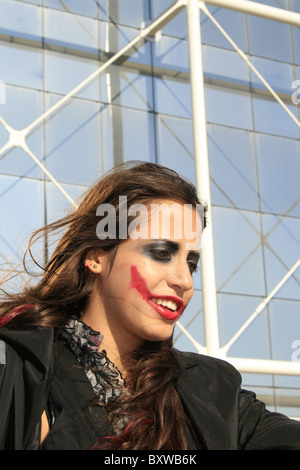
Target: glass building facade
[(60, 129)]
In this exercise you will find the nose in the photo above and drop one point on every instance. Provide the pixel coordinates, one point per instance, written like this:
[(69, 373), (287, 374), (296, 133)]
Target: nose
[(180, 277)]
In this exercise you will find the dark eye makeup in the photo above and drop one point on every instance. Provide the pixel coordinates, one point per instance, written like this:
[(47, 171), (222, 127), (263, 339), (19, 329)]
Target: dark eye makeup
[(163, 251)]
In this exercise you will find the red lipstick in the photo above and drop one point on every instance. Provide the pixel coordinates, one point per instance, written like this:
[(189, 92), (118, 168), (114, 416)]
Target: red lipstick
[(140, 284)]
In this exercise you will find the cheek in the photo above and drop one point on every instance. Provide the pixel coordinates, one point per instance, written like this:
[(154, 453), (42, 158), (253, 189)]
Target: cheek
[(139, 283)]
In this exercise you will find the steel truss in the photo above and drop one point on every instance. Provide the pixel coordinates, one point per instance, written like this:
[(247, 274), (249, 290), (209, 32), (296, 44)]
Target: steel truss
[(193, 7)]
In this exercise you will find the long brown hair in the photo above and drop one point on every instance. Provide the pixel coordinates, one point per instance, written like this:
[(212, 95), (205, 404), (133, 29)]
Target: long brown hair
[(152, 407)]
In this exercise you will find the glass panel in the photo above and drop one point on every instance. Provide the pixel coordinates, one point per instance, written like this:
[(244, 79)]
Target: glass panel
[(18, 162), (192, 320), (232, 22), (23, 65), (128, 88), (177, 26), (21, 20), (224, 65), (22, 107), (269, 39), (132, 13), (64, 72), (232, 167), (138, 135), (279, 174), (278, 75), (282, 243), (172, 97), (175, 139), (296, 40), (70, 31), (239, 263), (21, 212), (270, 117), (88, 7), (273, 3), (73, 142), (127, 135), (285, 327), (171, 53), (228, 107), (114, 37), (57, 204), (234, 311), (295, 5)]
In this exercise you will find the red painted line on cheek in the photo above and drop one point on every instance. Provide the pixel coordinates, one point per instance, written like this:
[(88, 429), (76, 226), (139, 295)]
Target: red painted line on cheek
[(139, 283)]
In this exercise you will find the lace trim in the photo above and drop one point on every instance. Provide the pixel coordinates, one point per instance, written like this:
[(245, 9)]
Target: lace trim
[(105, 378)]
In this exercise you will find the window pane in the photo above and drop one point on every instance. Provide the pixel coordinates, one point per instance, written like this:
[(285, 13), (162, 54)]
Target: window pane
[(279, 174), (64, 72), (114, 37), (24, 198), (281, 251), (279, 75), (23, 65), (269, 39), (73, 142), (193, 321), (270, 117), (127, 134), (172, 97), (232, 22), (21, 20), (228, 107), (88, 7), (69, 30), (171, 53), (239, 263), (224, 65), (296, 40), (234, 311), (175, 138), (177, 26), (123, 87), (132, 13), (232, 167), (285, 327)]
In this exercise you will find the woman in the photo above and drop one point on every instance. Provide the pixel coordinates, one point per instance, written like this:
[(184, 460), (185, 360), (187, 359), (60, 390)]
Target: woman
[(87, 356)]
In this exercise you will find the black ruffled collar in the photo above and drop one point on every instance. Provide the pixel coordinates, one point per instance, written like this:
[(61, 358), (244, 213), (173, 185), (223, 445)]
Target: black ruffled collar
[(84, 342)]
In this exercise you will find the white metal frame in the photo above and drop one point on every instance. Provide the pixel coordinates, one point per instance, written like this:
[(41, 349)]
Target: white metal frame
[(193, 7)]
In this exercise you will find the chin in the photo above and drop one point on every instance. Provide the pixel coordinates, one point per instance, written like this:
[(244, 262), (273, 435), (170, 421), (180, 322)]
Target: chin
[(159, 335)]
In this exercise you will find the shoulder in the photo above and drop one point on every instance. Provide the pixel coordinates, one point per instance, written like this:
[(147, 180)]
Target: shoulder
[(33, 344), (194, 364)]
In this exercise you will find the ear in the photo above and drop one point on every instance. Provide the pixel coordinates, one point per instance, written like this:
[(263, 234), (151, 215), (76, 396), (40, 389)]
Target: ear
[(94, 261)]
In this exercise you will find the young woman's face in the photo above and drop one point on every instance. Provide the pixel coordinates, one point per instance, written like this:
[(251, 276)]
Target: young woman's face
[(150, 282)]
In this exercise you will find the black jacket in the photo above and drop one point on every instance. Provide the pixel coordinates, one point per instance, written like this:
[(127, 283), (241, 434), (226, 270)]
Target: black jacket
[(33, 364)]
